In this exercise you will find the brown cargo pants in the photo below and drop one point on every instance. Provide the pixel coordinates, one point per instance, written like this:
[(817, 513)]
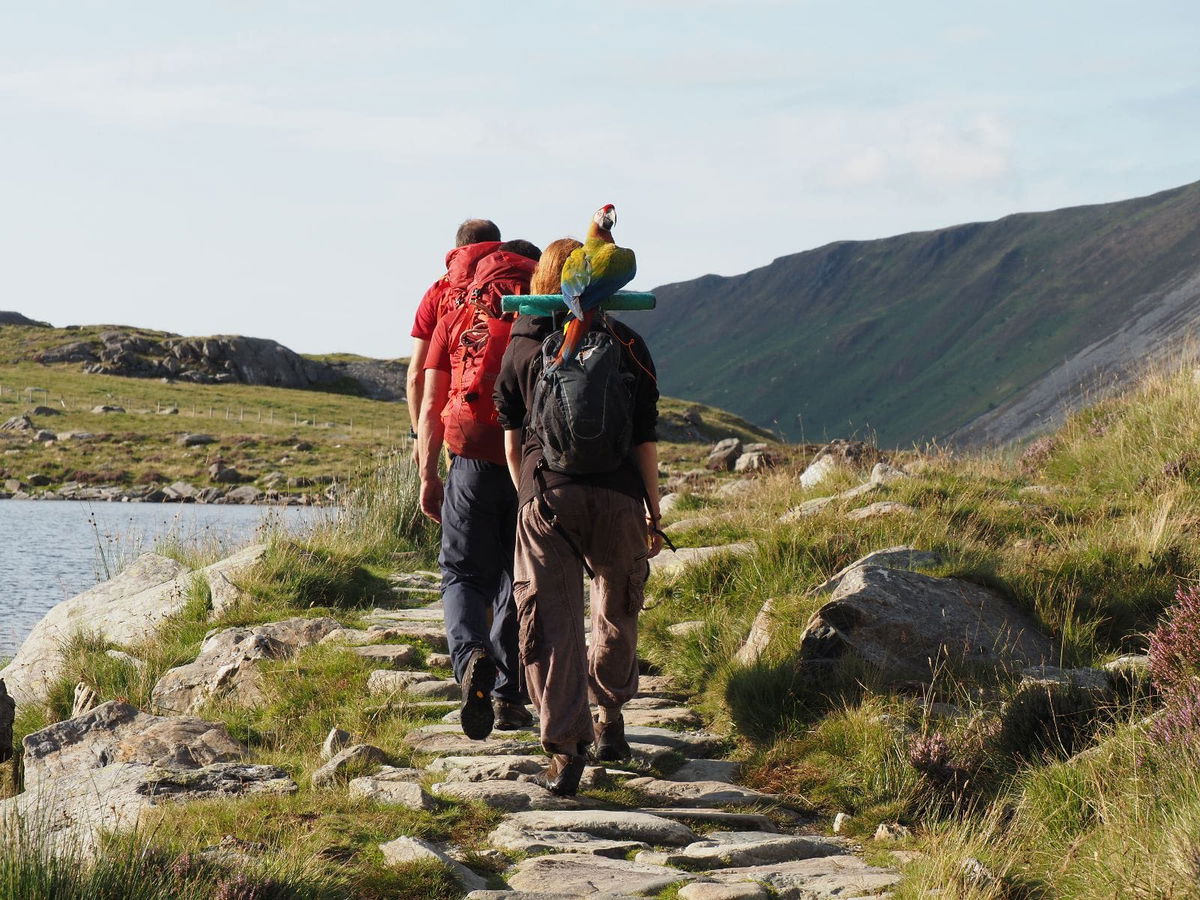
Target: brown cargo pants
[(561, 675)]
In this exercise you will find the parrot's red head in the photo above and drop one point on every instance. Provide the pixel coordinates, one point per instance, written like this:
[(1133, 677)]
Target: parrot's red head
[(606, 217)]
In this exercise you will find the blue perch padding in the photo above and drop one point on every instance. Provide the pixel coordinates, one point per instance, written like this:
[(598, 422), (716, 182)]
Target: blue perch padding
[(545, 304)]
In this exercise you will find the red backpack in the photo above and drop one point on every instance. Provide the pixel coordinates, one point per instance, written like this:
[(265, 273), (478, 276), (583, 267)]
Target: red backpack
[(461, 265), (478, 337)]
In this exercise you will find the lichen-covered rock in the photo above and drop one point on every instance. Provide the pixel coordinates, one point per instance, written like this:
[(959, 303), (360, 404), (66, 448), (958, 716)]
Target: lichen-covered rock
[(227, 665), (399, 787), (125, 609), (699, 793), (116, 732), (355, 759), (406, 850), (580, 874), (905, 624)]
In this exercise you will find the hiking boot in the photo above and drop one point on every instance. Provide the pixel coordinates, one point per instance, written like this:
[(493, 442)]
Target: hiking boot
[(511, 716), (562, 776), (611, 745), (476, 716)]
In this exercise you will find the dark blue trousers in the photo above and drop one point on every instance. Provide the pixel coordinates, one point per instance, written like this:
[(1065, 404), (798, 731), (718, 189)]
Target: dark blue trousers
[(479, 528)]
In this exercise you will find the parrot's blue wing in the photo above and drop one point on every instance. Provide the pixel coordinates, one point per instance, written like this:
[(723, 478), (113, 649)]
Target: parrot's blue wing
[(576, 276)]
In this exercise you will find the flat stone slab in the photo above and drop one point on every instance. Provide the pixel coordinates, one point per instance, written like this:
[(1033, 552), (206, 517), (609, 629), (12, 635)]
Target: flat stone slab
[(507, 836), (705, 770), (700, 890), (648, 702), (689, 743), (382, 682), (614, 825), (584, 875), (657, 686), (700, 793), (742, 821), (510, 796), (449, 740), (725, 849), (842, 876), (395, 786), (396, 655), (407, 849), (540, 895), (673, 561), (437, 690), (882, 508), (486, 768), (671, 716), (389, 617)]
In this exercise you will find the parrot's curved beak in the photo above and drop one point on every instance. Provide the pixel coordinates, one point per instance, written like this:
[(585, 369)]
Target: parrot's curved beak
[(608, 219)]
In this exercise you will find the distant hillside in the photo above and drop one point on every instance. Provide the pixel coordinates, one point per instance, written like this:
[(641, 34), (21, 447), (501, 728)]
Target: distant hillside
[(978, 333), (218, 359)]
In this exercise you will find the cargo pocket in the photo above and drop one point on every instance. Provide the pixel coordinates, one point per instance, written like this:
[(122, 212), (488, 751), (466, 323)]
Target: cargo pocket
[(635, 591), (529, 635)]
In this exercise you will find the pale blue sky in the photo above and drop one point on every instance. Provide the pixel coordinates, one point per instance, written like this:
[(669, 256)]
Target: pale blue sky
[(297, 170)]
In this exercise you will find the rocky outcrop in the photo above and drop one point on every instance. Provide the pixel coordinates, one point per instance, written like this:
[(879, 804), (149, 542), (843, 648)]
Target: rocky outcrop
[(7, 317), (227, 665), (125, 609), (907, 624), (71, 813), (100, 772), (226, 358), (116, 732)]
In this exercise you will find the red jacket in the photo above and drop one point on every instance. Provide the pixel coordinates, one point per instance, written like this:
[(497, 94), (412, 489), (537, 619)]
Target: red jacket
[(449, 291), (475, 337)]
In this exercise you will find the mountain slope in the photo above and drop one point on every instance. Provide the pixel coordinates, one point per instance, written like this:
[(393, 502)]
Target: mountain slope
[(978, 332)]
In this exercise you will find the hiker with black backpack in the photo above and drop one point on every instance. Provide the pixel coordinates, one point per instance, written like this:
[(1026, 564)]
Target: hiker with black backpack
[(477, 505), (581, 445)]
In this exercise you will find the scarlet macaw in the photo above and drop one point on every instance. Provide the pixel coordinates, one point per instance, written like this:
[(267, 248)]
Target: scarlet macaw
[(592, 274)]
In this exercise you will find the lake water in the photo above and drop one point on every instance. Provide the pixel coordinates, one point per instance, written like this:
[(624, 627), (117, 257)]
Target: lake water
[(52, 550)]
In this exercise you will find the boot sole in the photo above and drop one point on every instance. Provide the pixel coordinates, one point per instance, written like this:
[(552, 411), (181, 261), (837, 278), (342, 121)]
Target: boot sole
[(476, 715)]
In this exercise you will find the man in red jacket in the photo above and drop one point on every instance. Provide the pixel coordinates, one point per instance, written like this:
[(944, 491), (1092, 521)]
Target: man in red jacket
[(477, 506), (476, 238)]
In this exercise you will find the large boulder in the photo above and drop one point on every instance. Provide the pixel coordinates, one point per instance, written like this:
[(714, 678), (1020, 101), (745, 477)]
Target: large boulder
[(71, 813), (907, 624), (124, 610), (759, 638), (116, 732), (227, 665), (724, 455)]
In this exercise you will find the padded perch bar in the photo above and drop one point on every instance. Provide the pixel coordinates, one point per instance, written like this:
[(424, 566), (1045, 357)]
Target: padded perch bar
[(545, 304)]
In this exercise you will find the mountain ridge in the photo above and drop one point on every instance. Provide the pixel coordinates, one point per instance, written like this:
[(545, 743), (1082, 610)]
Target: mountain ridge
[(934, 334)]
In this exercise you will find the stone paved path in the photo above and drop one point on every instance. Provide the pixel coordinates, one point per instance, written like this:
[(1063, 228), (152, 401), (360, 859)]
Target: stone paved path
[(697, 826)]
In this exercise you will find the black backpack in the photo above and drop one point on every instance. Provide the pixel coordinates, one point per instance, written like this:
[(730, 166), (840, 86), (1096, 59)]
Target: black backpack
[(582, 410)]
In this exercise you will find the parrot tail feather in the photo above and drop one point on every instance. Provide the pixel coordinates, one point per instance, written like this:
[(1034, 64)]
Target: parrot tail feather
[(574, 332)]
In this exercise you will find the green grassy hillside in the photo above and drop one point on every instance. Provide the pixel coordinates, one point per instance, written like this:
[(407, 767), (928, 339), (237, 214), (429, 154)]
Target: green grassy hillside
[(312, 437), (912, 336)]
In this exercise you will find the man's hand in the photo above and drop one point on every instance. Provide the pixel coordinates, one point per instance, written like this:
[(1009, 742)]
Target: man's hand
[(654, 541), (431, 498)]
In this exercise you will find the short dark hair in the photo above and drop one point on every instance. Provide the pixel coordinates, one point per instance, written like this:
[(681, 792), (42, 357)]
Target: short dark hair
[(522, 248), (475, 231)]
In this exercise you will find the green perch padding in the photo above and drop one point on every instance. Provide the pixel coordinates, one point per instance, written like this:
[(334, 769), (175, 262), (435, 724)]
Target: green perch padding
[(545, 304)]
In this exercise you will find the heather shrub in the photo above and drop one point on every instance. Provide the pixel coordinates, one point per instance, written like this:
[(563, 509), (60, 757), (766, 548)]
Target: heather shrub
[(1175, 647), (1175, 670)]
